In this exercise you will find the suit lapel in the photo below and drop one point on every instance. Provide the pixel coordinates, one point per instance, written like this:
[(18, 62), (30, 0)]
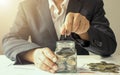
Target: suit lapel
[(43, 8)]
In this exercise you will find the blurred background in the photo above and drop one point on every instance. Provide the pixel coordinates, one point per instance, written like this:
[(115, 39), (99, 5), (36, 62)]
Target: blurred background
[(8, 10)]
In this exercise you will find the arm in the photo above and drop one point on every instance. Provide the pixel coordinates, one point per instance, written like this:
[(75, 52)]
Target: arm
[(94, 35), (17, 47), (101, 37), (16, 41)]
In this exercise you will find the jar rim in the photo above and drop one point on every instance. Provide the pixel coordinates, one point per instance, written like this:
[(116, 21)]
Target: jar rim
[(64, 41)]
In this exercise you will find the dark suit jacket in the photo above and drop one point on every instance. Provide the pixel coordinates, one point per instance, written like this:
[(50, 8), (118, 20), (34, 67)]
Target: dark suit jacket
[(34, 19)]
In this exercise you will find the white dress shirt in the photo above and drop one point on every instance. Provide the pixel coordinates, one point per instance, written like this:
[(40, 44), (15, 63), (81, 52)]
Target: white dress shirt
[(58, 18)]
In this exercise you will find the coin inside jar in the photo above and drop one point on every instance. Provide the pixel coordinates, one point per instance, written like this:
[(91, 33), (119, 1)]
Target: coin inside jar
[(66, 57)]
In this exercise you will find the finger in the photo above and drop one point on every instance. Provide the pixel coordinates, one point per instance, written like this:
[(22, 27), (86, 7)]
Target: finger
[(69, 24), (44, 64), (49, 54), (76, 23), (45, 59), (82, 26), (52, 71), (44, 67), (49, 63), (41, 65), (85, 26), (63, 30)]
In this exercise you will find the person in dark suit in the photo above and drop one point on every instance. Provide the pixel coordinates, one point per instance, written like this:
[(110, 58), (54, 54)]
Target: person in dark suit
[(47, 21)]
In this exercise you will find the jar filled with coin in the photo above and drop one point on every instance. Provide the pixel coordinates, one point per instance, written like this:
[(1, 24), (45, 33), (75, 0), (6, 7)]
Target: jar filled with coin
[(67, 57)]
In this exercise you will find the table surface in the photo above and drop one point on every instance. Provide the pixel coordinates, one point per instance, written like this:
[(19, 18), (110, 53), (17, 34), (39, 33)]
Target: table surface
[(7, 67)]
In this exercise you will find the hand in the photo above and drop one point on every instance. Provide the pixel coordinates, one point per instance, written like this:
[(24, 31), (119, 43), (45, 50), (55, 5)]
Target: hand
[(76, 23), (45, 59)]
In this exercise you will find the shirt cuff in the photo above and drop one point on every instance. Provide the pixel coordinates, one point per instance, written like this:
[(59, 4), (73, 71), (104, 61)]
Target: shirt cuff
[(81, 42)]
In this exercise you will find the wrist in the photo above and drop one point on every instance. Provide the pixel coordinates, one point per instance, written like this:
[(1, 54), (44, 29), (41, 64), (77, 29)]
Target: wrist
[(79, 40), (29, 56), (84, 36)]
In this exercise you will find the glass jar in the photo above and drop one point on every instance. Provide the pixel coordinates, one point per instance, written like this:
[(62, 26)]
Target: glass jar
[(67, 57)]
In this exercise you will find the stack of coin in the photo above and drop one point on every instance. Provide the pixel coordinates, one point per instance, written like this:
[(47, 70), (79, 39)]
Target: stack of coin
[(104, 67)]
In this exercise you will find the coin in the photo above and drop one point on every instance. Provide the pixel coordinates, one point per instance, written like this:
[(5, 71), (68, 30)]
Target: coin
[(104, 67)]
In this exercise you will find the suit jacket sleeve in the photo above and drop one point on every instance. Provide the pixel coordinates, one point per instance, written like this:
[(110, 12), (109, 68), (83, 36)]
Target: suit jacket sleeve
[(102, 39), (16, 41)]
